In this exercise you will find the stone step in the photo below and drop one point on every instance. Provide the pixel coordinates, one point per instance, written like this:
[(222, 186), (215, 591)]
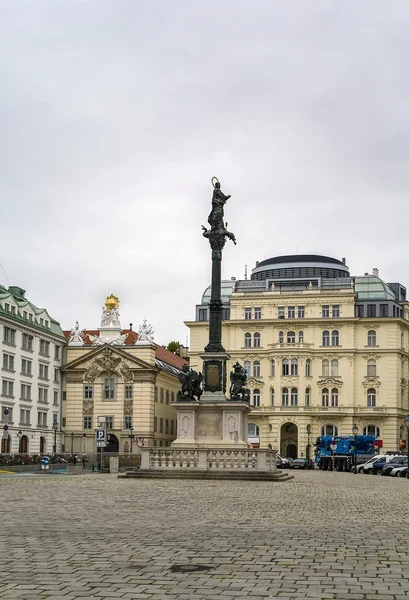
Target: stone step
[(209, 474)]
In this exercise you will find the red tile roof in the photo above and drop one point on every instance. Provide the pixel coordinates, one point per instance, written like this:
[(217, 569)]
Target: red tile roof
[(161, 353)]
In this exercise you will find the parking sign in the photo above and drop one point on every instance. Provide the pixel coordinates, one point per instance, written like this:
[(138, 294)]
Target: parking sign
[(101, 438)]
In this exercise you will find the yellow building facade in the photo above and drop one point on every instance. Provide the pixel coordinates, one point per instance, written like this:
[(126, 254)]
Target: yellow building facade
[(121, 381), (321, 349)]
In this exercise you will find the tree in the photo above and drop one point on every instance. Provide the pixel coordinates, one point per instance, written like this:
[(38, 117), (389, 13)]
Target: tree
[(173, 347)]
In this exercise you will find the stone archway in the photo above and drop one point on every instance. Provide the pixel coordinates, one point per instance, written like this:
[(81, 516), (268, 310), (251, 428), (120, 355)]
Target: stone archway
[(113, 444), (23, 445), (42, 445), (289, 440), (6, 445)]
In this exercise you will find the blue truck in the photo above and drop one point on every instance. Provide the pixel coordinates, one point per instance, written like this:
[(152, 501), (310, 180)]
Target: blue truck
[(341, 453)]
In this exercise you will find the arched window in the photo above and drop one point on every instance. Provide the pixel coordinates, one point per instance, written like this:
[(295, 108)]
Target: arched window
[(325, 338), (247, 366), (256, 368), (284, 397), (286, 366), (247, 340), (290, 337), (325, 397), (281, 337), (294, 367), (372, 430), (301, 337), (308, 368), (334, 368), (371, 397), (371, 338), (325, 368), (273, 368), (257, 340), (334, 397), (371, 368), (307, 396), (272, 396), (335, 338), (256, 397), (253, 430), (294, 397), (329, 430)]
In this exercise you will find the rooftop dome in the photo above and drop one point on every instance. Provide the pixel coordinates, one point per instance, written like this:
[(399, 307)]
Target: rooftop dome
[(299, 266)]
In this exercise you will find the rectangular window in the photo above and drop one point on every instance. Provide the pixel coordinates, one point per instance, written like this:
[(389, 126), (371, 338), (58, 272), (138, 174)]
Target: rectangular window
[(44, 348), (247, 314), (162, 392), (301, 312), (46, 323), (9, 336), (109, 388), (26, 367), (156, 393), (359, 310), (325, 311), (55, 398), (172, 397), (43, 395), (281, 312), (8, 362), (13, 310), (109, 422), (257, 313), (43, 372), (57, 352), (167, 396), (41, 321), (88, 391), (7, 388), (155, 424), (57, 375), (7, 307), (24, 416), (129, 391), (27, 343), (384, 310), (291, 312), (24, 314), (42, 419), (335, 310), (226, 314), (202, 314), (87, 422), (166, 425), (172, 425), (127, 422), (25, 392), (161, 425), (371, 310)]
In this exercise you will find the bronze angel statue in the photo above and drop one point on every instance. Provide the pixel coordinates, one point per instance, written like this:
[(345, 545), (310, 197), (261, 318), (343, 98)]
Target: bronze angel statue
[(191, 384), (238, 379)]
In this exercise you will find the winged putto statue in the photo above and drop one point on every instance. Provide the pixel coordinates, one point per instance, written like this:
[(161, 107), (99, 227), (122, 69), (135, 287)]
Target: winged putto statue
[(191, 384)]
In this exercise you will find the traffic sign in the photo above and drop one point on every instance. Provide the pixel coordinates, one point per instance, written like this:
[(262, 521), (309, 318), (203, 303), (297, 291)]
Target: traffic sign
[(101, 438)]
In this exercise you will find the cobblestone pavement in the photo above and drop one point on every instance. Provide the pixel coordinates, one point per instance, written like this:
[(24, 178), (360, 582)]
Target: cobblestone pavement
[(321, 535)]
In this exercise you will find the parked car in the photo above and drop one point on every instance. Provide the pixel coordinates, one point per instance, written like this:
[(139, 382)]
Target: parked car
[(403, 472), (375, 468), (360, 468), (399, 471), (398, 461), (302, 463), (283, 463)]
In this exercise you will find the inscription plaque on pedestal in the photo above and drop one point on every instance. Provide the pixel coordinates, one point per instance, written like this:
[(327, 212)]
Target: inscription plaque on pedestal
[(213, 376)]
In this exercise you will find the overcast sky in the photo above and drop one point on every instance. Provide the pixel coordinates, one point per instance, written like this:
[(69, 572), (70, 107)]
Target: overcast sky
[(115, 115)]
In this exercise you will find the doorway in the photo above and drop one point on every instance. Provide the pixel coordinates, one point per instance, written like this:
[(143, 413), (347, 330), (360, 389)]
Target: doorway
[(42, 445), (23, 445), (289, 440), (6, 445)]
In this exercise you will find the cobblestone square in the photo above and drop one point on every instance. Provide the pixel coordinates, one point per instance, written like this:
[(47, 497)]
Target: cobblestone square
[(321, 535)]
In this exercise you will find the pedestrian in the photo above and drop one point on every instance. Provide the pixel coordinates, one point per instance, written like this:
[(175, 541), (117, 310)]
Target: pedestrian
[(84, 461), (75, 459)]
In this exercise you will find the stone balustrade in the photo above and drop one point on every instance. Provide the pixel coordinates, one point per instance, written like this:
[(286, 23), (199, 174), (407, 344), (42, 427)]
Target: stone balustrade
[(206, 459)]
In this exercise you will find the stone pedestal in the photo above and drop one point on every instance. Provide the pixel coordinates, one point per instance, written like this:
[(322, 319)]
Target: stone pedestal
[(212, 422)]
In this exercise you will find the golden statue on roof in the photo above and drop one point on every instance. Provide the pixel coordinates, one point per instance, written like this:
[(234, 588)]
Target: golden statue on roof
[(111, 302)]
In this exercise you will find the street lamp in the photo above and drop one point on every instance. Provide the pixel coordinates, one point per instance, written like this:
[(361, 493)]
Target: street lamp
[(55, 427), (131, 429), (355, 430), (407, 443), (308, 446)]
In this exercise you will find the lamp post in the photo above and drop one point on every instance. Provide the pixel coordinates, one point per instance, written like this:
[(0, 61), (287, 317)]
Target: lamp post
[(72, 442), (407, 443), (355, 430), (55, 427), (131, 429), (308, 445)]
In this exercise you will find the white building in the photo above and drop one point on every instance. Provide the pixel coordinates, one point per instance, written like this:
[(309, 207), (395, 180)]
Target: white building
[(32, 346)]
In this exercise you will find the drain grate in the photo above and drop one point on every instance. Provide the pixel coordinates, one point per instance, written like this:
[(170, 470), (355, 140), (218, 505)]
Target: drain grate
[(189, 568)]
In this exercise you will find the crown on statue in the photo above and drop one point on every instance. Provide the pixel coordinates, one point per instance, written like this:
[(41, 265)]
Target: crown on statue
[(111, 302)]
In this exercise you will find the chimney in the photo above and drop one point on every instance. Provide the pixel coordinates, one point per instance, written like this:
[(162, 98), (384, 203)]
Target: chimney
[(257, 263), (344, 261), (366, 274), (375, 272), (233, 279), (130, 326)]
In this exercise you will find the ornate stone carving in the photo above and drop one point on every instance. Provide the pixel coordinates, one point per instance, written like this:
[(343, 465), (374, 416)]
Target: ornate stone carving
[(88, 406), (371, 382), (76, 337), (92, 372), (329, 382), (101, 340), (126, 372), (128, 406), (107, 363), (145, 334)]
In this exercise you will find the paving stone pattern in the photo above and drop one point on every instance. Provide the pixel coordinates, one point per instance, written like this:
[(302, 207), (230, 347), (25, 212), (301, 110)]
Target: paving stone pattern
[(321, 535)]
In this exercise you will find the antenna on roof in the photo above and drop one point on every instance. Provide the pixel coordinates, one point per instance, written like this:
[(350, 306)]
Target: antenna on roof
[(2, 268), (245, 272)]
